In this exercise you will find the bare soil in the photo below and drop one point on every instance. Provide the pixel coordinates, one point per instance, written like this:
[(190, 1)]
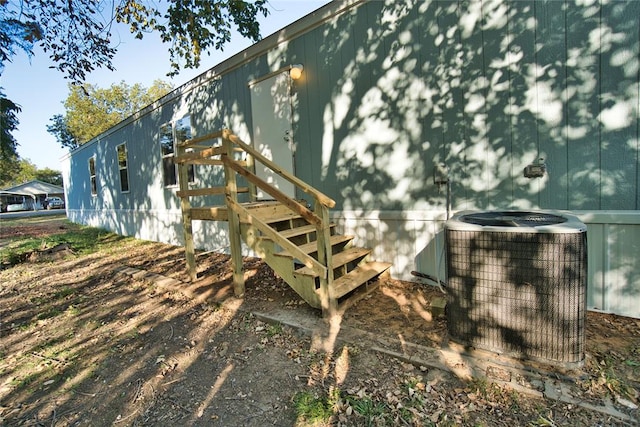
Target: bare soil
[(121, 338)]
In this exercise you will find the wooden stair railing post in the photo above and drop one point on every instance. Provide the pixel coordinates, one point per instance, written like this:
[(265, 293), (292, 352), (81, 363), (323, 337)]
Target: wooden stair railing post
[(231, 196), (185, 206), (251, 167), (323, 233)]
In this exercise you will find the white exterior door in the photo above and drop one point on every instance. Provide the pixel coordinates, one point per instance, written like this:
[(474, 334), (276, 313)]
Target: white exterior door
[(272, 136)]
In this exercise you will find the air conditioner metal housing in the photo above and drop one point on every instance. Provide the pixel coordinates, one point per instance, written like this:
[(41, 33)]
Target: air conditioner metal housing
[(517, 283)]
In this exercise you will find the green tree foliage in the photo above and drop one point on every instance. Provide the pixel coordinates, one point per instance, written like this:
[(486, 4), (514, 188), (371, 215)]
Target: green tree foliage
[(91, 110), (60, 130), (22, 170), (49, 175), (16, 172), (8, 123), (76, 34), (8, 170), (26, 172), (193, 27)]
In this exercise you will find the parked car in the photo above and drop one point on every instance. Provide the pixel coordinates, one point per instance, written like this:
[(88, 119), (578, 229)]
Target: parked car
[(15, 207), (54, 203)]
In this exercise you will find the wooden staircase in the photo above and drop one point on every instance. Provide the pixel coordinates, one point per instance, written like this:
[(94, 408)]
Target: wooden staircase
[(294, 238)]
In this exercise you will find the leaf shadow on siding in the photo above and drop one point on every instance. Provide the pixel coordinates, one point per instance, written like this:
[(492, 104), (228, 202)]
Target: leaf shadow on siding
[(486, 88)]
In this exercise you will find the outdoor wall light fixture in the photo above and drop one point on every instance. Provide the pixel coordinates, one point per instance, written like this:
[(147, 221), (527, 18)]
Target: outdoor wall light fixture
[(296, 71), (535, 169)]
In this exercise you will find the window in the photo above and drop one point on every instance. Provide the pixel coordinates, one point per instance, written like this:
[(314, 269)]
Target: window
[(183, 129), (168, 141), (92, 175), (167, 149), (122, 167), (183, 132)]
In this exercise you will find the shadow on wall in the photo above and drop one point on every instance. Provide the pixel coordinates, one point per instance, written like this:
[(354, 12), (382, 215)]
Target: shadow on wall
[(486, 88), (148, 209)]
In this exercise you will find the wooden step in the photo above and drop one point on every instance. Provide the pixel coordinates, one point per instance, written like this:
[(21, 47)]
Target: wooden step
[(272, 219), (299, 231), (219, 213), (312, 247), (270, 211), (361, 274), (339, 259)]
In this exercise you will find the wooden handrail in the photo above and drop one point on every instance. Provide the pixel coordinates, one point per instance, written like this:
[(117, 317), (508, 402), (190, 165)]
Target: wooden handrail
[(203, 154), (272, 191), (317, 195), (224, 155), (320, 218), (193, 141)]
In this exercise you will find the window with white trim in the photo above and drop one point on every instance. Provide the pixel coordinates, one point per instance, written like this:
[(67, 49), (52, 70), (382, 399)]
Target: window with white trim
[(123, 167), (168, 151), (92, 176), (183, 132), (170, 135)]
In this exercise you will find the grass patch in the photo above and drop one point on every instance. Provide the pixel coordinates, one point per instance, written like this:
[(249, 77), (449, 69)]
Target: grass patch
[(373, 412), (72, 311), (311, 409), (274, 329), (60, 294), (49, 313), (25, 381), (82, 239), (63, 293)]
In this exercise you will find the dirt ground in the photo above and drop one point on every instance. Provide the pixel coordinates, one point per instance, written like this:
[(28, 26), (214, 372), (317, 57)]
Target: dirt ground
[(121, 338)]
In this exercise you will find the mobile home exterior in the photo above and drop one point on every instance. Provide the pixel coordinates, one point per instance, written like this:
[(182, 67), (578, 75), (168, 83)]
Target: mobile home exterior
[(393, 97)]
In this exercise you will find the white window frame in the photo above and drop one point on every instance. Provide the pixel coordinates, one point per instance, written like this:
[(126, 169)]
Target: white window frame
[(121, 168), (93, 176), (171, 155), (168, 156)]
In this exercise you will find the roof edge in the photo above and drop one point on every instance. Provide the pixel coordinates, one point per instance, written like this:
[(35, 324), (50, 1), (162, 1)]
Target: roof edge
[(291, 31)]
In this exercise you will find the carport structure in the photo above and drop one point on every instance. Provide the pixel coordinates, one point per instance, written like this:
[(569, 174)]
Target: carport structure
[(31, 193)]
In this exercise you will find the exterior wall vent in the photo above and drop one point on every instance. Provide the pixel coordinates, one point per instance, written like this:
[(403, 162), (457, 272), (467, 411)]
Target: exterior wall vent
[(517, 284)]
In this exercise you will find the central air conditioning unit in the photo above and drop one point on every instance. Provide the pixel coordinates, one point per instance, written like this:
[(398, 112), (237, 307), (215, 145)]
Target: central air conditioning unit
[(517, 284)]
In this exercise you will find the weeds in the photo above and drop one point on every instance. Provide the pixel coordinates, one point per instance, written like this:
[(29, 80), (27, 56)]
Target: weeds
[(72, 311), (63, 293), (481, 386), (312, 409), (607, 376), (368, 409), (20, 383), (273, 329), (49, 313), (412, 388)]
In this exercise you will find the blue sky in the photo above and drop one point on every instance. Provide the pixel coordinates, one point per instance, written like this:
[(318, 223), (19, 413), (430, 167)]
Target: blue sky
[(40, 91)]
